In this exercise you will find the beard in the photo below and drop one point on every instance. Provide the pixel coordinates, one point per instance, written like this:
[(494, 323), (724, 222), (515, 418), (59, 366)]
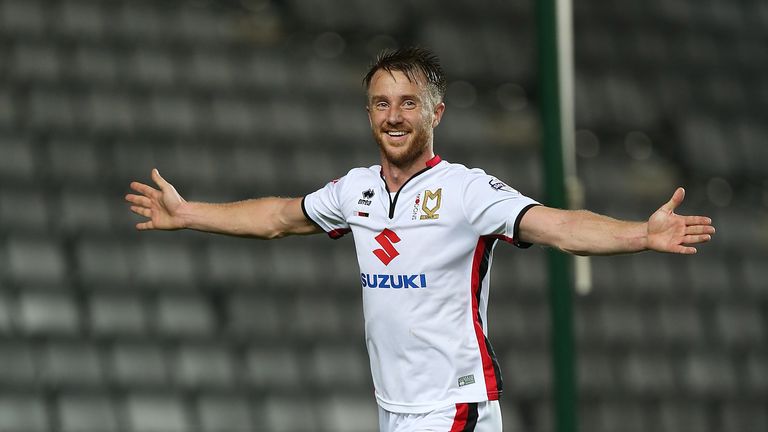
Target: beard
[(405, 155)]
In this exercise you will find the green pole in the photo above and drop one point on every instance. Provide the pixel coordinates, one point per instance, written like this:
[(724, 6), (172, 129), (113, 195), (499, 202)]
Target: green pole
[(559, 264)]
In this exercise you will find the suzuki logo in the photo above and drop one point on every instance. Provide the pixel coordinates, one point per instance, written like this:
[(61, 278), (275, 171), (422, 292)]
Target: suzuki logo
[(388, 252)]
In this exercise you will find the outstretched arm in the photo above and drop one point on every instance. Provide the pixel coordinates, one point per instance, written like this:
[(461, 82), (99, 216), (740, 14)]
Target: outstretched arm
[(585, 233), (264, 218)]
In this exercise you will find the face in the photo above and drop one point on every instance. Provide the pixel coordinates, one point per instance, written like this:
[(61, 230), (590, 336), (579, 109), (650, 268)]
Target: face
[(402, 117)]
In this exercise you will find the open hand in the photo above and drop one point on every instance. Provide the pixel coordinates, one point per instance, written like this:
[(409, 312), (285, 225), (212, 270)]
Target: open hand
[(670, 232), (161, 207)]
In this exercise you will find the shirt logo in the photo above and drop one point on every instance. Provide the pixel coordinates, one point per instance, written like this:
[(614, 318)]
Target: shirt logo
[(466, 380), (366, 199), (387, 252), (497, 184), (431, 204)]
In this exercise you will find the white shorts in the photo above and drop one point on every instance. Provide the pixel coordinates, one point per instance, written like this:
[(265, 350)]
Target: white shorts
[(462, 417)]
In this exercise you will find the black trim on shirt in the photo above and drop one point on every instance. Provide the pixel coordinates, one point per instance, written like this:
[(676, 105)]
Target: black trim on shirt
[(393, 201), (516, 229)]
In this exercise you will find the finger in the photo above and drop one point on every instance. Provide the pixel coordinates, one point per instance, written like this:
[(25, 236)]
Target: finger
[(144, 189), (139, 200), (697, 220), (143, 226), (675, 201), (700, 229), (142, 211), (694, 239)]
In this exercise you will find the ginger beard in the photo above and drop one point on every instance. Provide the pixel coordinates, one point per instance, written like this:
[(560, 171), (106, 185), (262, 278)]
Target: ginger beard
[(416, 142)]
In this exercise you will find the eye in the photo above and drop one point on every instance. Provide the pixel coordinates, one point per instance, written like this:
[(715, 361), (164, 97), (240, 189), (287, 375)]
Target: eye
[(409, 104), (381, 105)]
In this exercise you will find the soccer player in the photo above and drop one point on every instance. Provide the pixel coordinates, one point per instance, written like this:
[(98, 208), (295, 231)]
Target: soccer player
[(424, 230)]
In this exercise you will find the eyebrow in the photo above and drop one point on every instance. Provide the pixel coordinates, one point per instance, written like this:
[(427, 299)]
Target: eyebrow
[(377, 98)]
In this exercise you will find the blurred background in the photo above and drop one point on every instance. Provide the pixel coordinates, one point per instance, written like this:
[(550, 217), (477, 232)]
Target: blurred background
[(106, 329)]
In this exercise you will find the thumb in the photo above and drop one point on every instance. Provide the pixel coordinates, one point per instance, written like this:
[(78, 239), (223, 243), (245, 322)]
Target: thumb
[(159, 180), (675, 201)]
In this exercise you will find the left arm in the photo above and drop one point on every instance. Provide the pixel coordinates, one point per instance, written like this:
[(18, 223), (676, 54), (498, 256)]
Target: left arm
[(581, 232)]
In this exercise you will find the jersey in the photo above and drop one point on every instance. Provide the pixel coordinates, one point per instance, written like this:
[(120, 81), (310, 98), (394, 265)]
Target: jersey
[(424, 254)]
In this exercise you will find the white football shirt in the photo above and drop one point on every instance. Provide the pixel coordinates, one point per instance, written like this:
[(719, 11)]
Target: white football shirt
[(424, 255)]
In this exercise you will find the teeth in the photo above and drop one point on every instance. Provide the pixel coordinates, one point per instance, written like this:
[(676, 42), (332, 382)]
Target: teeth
[(396, 133)]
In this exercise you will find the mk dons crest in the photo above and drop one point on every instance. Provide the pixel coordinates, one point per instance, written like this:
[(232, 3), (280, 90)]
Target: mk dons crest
[(431, 204)]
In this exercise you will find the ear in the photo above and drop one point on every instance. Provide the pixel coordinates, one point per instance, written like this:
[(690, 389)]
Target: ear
[(438, 114), (368, 111)]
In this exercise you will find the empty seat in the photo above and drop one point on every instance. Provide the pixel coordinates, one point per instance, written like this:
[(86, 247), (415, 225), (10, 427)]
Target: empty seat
[(156, 413), (203, 365), (18, 17), (18, 159), (684, 416), (35, 259), (138, 364), (747, 415), (332, 367), (83, 210), (117, 314), (225, 414), (74, 158), (740, 324), (349, 413), (95, 64), (35, 62), (527, 372), (294, 414), (152, 67), (23, 413), (596, 373), (708, 374), (648, 373), (71, 363), (678, 323), (103, 260), (43, 312), (24, 209), (19, 360), (315, 317), (211, 70), (255, 315), (184, 316), (111, 110), (274, 368), (83, 19), (87, 413), (756, 373), (163, 262)]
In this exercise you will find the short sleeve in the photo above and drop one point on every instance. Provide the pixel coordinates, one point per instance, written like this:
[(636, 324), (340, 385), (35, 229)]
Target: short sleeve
[(322, 207), (493, 208)]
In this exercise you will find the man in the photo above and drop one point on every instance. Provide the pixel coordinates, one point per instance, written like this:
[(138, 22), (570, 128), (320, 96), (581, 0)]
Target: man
[(424, 230)]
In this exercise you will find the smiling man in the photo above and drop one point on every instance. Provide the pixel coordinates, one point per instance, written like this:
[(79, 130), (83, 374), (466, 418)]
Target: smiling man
[(424, 231)]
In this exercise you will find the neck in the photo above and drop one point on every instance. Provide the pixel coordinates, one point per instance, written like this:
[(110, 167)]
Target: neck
[(396, 175)]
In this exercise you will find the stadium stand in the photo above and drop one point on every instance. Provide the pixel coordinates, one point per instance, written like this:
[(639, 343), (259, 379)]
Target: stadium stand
[(105, 329)]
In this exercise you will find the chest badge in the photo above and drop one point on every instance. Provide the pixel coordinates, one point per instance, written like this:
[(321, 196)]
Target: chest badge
[(431, 204), (367, 197)]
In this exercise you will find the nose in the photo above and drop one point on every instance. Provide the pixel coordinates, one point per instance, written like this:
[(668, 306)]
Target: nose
[(394, 116)]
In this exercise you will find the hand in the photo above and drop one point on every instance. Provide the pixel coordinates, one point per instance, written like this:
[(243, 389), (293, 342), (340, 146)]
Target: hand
[(160, 206), (670, 232)]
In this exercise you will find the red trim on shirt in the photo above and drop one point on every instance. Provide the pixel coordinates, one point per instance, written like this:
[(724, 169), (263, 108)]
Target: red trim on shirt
[(460, 420), (338, 233), (434, 161), (491, 385)]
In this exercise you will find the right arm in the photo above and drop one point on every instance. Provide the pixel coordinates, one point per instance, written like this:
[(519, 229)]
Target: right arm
[(264, 218)]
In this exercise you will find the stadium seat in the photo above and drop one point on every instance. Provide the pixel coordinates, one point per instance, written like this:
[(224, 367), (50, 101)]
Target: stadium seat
[(71, 364), (117, 314), (20, 364), (220, 413), (273, 368), (87, 413), (291, 414), (184, 316), (149, 412), (348, 413), (20, 412), (138, 364), (203, 366), (46, 312)]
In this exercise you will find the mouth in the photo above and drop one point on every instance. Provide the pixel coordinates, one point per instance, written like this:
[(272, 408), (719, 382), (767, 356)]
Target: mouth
[(396, 135)]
